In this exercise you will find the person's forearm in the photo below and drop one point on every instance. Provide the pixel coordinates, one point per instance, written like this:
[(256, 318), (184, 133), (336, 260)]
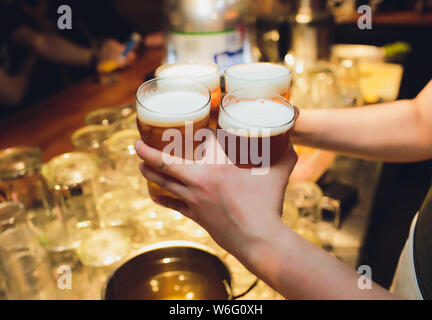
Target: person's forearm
[(53, 47), (299, 270), (13, 88), (395, 132)]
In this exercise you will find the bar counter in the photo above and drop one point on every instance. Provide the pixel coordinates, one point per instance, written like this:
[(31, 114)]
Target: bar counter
[(50, 123)]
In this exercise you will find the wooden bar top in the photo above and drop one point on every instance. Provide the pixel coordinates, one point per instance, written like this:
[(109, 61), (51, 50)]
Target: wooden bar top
[(50, 123)]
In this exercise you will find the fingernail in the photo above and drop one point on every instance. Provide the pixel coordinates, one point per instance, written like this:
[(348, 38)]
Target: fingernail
[(138, 145)]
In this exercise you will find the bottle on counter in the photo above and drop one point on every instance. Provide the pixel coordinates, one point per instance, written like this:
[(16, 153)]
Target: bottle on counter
[(208, 30)]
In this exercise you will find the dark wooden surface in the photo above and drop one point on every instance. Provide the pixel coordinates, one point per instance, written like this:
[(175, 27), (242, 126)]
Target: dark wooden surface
[(402, 18), (50, 123)]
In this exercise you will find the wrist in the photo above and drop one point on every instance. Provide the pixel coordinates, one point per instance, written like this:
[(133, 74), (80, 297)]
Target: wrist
[(300, 133), (261, 247), (297, 124)]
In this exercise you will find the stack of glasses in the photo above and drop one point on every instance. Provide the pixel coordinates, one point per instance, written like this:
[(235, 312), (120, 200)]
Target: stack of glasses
[(88, 210)]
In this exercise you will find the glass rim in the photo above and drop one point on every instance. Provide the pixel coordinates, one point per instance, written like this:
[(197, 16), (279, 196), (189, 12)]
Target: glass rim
[(29, 156), (10, 212), (228, 74), (114, 112), (224, 109), (112, 143), (190, 62), (155, 80), (51, 168), (99, 128), (86, 136)]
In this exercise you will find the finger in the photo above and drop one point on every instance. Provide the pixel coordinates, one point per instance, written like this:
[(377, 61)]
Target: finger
[(165, 182), (174, 204), (214, 153), (287, 162), (166, 163)]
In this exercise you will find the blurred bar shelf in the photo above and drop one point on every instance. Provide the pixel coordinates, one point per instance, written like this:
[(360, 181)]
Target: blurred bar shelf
[(403, 18)]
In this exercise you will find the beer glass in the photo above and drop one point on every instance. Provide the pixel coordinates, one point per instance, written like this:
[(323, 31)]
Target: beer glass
[(120, 150), (254, 127), (99, 254), (123, 190), (179, 104), (23, 262), (71, 177), (206, 73), (130, 122), (128, 117), (317, 213), (20, 178), (126, 110), (91, 139), (111, 117), (347, 76), (261, 76)]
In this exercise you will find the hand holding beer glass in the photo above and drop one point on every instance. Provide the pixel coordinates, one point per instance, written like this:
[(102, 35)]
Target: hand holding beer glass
[(206, 73), (171, 103), (254, 127)]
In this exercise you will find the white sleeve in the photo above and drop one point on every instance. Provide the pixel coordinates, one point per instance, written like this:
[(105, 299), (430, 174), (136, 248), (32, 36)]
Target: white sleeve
[(405, 284)]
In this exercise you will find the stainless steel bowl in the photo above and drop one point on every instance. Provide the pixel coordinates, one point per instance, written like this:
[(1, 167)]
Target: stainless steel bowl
[(171, 271)]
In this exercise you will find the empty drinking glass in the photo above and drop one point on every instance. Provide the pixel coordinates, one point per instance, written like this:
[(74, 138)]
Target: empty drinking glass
[(121, 151), (111, 117), (100, 252), (23, 262), (319, 216), (21, 180), (348, 75), (91, 139), (123, 189), (72, 178)]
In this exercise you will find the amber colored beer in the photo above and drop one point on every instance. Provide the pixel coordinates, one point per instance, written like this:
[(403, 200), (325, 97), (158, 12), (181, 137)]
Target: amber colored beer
[(271, 77), (206, 73), (180, 104), (255, 132)]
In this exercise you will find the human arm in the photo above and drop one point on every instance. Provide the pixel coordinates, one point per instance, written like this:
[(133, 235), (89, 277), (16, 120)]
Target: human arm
[(52, 47), (13, 87), (398, 131), (242, 214)]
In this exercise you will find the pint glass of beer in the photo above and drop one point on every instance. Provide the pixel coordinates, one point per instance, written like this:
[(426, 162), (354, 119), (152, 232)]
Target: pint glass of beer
[(254, 127), (274, 78), (206, 73), (180, 105)]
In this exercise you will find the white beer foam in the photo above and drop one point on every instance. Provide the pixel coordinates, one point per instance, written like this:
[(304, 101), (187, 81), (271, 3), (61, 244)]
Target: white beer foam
[(172, 108), (205, 73), (262, 117), (263, 76)]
